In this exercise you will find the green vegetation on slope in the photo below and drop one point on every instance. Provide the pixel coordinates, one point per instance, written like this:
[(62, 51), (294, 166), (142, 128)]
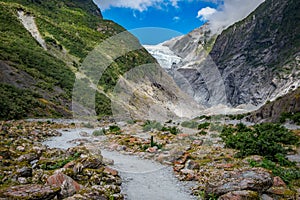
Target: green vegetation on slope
[(71, 29)]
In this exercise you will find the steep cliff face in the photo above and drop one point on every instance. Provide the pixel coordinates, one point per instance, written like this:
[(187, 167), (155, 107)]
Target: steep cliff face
[(258, 57), (275, 111), (43, 48)]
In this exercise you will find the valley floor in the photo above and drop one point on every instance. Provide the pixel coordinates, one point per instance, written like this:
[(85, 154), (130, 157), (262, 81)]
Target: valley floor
[(148, 163)]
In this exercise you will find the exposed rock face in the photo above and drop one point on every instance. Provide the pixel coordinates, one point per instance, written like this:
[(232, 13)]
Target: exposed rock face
[(185, 58), (259, 56), (271, 112), (255, 59)]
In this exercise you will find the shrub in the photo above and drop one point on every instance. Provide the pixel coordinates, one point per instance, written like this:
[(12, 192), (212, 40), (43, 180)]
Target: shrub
[(114, 128), (99, 132), (287, 174), (189, 124), (263, 139), (173, 130), (151, 125), (202, 133), (204, 125)]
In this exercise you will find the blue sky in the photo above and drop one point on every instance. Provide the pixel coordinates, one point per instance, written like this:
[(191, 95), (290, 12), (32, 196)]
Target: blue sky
[(171, 18)]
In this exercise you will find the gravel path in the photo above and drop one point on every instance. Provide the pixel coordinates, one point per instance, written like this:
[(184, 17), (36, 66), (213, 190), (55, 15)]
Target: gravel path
[(142, 179)]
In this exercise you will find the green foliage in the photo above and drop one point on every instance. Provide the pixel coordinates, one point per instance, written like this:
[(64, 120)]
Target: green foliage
[(114, 129), (287, 174), (202, 133), (204, 117), (152, 125), (263, 139), (189, 124), (131, 121), (60, 163), (17, 103), (99, 132), (103, 105), (88, 125), (172, 129), (237, 117), (73, 29), (295, 117), (204, 125)]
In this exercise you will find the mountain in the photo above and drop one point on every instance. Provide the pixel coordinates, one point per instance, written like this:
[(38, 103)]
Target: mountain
[(184, 58), (284, 108), (47, 49), (257, 58)]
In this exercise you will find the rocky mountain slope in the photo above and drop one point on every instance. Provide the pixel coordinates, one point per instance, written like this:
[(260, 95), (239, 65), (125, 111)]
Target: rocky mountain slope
[(282, 109), (259, 56), (184, 58), (257, 59), (43, 51)]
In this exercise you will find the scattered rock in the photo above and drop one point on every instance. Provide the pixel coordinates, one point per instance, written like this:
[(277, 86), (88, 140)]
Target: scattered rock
[(83, 134), (152, 149), (121, 148), (67, 184), (22, 180), (108, 161), (111, 171), (91, 162), (190, 164), (28, 157), (25, 172), (256, 179), (224, 165), (20, 148), (240, 195), (280, 191), (278, 182), (30, 192), (266, 197), (197, 142)]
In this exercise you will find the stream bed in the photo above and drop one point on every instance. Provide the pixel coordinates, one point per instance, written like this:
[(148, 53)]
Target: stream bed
[(141, 178)]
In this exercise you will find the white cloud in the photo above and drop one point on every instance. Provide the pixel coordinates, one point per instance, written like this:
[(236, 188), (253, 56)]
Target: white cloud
[(230, 12), (204, 13), (176, 18), (140, 5)]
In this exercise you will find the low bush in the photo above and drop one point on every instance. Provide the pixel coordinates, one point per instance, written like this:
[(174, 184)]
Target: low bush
[(189, 124), (266, 140), (152, 125), (99, 132), (204, 125), (173, 130)]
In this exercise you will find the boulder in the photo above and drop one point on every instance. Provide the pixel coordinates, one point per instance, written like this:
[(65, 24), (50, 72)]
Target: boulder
[(255, 179), (190, 164), (111, 171), (91, 162), (67, 184), (30, 192), (25, 172), (278, 182), (240, 195)]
